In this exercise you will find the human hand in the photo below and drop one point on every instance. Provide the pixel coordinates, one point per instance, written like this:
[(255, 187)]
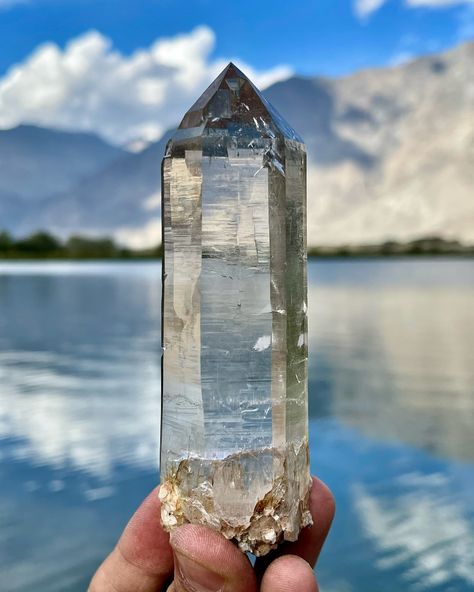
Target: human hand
[(202, 560)]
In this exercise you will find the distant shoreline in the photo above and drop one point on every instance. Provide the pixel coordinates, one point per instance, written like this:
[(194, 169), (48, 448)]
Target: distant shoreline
[(43, 246)]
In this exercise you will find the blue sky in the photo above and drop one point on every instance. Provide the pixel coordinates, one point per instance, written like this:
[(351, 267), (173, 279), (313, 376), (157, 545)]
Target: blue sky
[(128, 68), (313, 36)]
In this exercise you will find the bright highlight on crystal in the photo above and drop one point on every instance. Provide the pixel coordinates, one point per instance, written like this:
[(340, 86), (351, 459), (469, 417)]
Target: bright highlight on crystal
[(234, 450)]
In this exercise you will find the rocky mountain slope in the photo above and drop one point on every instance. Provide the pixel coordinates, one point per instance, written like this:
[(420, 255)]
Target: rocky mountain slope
[(392, 150), (391, 156)]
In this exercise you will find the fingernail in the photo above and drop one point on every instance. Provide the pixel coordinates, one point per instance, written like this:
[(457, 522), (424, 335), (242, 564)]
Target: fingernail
[(195, 577)]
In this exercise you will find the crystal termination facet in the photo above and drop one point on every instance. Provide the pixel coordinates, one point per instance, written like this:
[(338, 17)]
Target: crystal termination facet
[(234, 445)]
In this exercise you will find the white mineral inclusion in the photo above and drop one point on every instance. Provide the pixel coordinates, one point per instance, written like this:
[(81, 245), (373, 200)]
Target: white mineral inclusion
[(234, 450), (263, 343)]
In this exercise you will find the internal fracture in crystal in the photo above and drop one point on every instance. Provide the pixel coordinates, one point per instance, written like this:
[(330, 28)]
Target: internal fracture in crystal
[(234, 450)]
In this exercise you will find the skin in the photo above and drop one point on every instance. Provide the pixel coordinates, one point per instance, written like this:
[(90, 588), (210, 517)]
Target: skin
[(196, 559)]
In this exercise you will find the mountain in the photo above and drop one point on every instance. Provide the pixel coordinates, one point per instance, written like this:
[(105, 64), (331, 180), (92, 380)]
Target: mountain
[(391, 150), (124, 194), (36, 163), (391, 157)]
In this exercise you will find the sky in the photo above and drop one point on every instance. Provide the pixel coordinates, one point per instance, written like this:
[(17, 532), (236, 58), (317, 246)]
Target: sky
[(128, 69)]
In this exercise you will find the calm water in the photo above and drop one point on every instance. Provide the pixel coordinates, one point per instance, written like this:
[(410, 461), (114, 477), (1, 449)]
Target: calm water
[(392, 416)]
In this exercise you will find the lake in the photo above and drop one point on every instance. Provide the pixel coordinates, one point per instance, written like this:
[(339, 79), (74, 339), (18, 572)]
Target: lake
[(391, 386)]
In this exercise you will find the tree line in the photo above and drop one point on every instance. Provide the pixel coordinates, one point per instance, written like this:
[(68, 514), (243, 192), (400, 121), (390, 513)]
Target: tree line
[(44, 245)]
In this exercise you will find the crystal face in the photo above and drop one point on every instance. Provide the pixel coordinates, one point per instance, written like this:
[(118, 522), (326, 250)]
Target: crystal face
[(234, 450)]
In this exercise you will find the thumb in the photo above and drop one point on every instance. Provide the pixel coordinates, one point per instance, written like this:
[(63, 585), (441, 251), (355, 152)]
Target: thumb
[(204, 561)]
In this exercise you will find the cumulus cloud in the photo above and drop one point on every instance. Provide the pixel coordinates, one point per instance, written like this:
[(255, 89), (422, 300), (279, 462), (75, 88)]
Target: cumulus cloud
[(91, 86)]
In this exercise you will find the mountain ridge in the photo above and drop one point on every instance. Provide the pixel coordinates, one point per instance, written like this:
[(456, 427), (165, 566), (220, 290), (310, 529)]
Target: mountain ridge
[(391, 153), (36, 162)]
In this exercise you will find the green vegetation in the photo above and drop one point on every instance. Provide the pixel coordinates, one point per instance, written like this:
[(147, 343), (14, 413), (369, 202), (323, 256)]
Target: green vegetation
[(429, 246), (42, 245)]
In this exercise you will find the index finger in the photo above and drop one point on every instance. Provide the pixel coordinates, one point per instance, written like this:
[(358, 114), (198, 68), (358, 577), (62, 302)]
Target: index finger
[(142, 559)]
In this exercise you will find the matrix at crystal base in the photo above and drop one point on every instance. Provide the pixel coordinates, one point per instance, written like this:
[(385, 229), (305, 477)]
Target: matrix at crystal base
[(248, 497)]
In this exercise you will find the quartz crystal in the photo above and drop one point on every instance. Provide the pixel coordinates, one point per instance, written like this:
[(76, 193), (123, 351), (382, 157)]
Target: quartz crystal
[(234, 450)]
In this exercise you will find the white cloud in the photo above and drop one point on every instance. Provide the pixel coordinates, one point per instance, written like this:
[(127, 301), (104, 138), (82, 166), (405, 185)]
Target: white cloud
[(364, 8), (140, 237), (91, 86)]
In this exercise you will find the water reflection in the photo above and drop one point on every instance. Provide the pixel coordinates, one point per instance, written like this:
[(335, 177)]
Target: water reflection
[(395, 359), (391, 375), (423, 528), (404, 520), (78, 366)]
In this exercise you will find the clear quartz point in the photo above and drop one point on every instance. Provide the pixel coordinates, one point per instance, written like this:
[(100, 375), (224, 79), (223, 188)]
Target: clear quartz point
[(234, 437)]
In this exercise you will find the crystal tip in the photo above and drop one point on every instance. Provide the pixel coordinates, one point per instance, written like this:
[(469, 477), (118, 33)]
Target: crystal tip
[(233, 95)]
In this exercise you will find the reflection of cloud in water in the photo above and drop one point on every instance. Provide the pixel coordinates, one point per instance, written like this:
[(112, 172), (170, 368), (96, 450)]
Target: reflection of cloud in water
[(421, 532), (79, 397), (85, 422), (398, 359), (79, 368), (79, 360)]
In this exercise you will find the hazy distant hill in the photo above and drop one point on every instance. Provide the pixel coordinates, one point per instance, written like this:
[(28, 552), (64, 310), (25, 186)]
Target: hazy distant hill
[(391, 157), (36, 162), (124, 194)]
